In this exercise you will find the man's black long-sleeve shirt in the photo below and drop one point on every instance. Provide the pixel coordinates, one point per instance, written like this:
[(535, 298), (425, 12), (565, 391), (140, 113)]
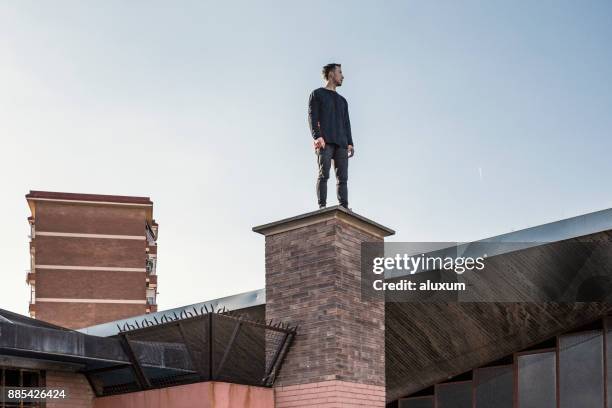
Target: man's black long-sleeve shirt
[(328, 117)]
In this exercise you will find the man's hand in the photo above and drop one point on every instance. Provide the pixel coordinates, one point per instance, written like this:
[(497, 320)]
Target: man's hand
[(319, 143), (351, 151)]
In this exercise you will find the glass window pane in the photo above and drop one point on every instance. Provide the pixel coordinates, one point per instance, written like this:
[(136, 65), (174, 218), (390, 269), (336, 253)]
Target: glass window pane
[(416, 402), (581, 370), (12, 378), (30, 378), (454, 395), (494, 387), (537, 380)]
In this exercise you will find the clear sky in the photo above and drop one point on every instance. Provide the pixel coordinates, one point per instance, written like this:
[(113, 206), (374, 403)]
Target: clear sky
[(470, 119)]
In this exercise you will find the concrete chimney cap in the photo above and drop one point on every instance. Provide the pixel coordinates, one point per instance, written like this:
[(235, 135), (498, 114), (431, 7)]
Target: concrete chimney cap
[(324, 214)]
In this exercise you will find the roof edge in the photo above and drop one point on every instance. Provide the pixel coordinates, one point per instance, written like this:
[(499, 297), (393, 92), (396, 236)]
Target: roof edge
[(323, 214), (102, 198)]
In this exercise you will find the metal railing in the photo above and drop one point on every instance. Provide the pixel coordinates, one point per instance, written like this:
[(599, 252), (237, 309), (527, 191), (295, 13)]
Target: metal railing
[(150, 235)]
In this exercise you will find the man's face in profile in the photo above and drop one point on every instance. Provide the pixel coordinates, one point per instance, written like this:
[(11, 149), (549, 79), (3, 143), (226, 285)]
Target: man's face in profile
[(336, 76)]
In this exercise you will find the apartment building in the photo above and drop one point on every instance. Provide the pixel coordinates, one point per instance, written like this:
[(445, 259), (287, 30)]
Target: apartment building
[(93, 257)]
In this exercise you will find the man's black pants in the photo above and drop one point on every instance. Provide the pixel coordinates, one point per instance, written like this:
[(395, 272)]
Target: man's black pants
[(324, 158)]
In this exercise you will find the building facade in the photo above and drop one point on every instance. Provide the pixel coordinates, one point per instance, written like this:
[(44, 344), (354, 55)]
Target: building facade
[(310, 338), (93, 257)]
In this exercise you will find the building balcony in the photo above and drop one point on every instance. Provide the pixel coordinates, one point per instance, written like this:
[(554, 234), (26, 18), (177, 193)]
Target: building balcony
[(152, 281), (151, 236), (151, 266), (30, 277)]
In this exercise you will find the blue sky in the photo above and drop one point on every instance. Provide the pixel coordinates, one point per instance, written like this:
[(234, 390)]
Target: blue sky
[(470, 119)]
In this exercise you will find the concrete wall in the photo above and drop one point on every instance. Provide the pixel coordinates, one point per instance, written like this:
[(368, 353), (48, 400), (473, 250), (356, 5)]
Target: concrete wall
[(200, 395)]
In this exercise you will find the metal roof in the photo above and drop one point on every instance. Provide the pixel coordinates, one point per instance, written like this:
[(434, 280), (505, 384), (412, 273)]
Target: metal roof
[(25, 337), (234, 302), (556, 231), (573, 227), (15, 318)]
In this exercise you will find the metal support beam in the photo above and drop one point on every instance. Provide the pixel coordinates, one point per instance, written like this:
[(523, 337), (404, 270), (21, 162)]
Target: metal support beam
[(274, 358), (278, 362), (141, 378), (92, 385), (228, 349)]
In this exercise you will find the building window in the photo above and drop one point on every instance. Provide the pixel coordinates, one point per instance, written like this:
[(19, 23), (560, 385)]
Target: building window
[(417, 402), (454, 395), (581, 376), (20, 377), (537, 379), (493, 386)]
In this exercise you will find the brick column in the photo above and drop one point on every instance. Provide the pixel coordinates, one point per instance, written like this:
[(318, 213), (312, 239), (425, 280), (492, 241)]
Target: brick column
[(313, 279)]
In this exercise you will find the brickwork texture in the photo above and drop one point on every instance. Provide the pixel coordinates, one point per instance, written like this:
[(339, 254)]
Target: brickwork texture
[(76, 386), (313, 280)]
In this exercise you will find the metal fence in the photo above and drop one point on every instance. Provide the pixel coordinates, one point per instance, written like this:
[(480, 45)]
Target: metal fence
[(195, 347)]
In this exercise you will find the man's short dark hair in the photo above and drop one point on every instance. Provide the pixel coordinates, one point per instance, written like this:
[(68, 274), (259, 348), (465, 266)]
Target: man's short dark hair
[(329, 68)]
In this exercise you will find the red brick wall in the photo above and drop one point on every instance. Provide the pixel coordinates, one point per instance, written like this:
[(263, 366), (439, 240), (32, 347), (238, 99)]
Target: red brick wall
[(75, 251), (79, 218), (77, 389), (90, 284), (79, 315), (89, 218)]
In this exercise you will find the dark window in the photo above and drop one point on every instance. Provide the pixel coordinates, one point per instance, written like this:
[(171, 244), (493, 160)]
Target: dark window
[(494, 387), (11, 378), (581, 370), (454, 395), (416, 402), (30, 378), (18, 377), (537, 380)]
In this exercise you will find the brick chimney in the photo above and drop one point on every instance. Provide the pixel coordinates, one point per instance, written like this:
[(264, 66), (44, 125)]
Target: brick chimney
[(313, 279)]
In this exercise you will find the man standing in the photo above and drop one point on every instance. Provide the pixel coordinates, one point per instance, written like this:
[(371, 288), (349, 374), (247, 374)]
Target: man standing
[(330, 127)]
